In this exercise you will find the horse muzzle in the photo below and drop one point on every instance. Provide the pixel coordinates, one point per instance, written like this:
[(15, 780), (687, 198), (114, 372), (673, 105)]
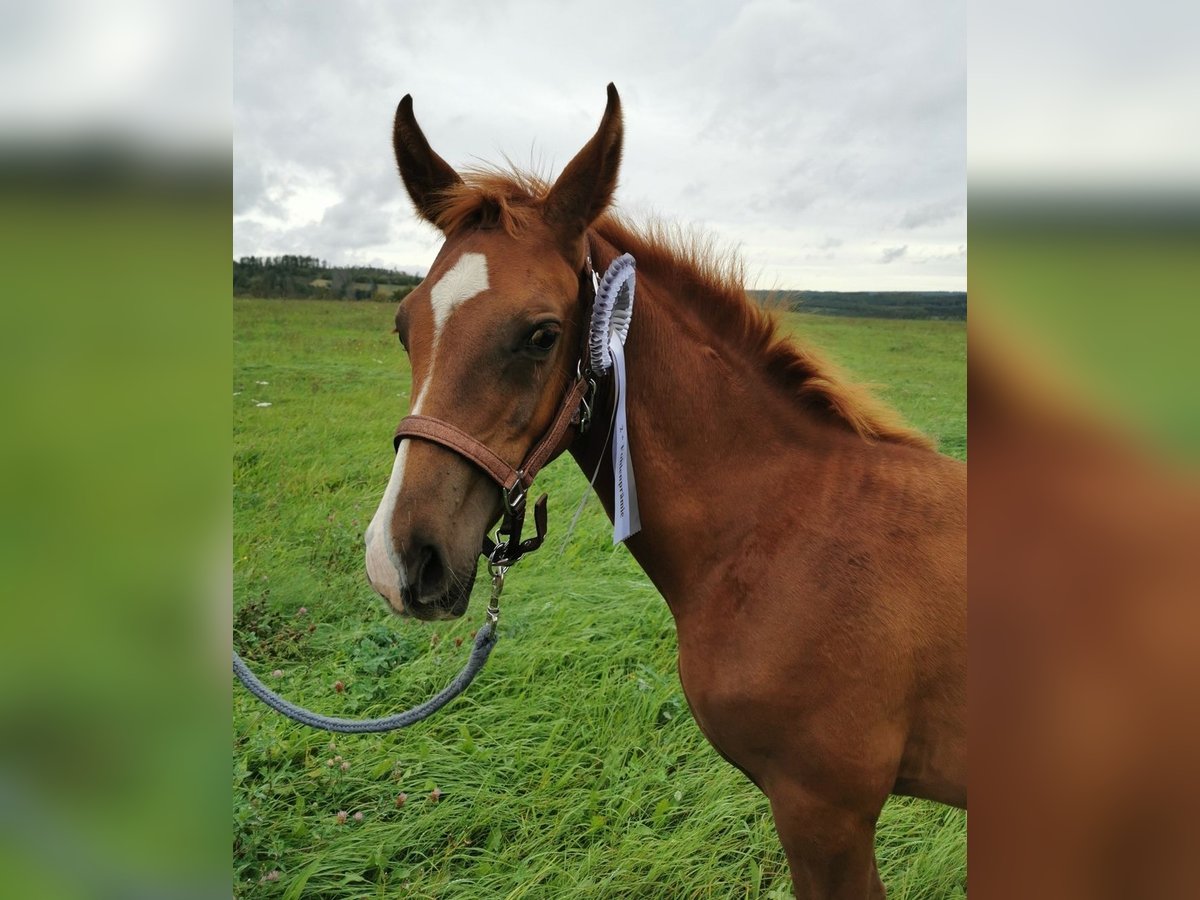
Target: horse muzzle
[(417, 578)]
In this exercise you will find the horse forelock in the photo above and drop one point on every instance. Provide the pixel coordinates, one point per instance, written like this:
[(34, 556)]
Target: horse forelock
[(508, 199)]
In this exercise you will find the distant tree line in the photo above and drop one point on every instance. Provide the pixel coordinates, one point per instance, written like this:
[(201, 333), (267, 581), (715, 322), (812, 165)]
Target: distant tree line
[(306, 277), (871, 304)]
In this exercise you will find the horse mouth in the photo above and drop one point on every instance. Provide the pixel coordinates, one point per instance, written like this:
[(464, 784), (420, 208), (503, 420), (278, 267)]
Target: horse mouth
[(449, 604)]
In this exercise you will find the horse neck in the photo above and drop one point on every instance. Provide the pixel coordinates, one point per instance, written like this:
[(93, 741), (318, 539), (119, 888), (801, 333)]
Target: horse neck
[(712, 440)]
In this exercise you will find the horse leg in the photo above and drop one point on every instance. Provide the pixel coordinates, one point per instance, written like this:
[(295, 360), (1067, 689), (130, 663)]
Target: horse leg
[(830, 849)]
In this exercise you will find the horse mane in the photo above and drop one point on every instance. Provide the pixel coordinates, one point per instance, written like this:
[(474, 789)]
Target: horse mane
[(511, 199)]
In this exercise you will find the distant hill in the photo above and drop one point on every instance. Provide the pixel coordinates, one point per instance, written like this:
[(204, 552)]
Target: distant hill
[(306, 277), (871, 304)]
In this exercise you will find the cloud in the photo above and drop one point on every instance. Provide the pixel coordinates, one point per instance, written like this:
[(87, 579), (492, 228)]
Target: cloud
[(933, 213), (771, 124), (891, 254), (934, 255)]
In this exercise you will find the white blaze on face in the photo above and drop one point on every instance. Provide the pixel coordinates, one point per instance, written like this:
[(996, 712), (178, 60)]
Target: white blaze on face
[(467, 278), (385, 569)]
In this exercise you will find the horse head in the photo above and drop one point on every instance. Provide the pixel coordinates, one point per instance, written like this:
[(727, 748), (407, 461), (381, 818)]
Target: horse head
[(493, 336)]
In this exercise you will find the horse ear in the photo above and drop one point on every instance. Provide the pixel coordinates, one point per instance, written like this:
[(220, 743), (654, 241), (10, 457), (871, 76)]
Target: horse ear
[(585, 187), (425, 174)]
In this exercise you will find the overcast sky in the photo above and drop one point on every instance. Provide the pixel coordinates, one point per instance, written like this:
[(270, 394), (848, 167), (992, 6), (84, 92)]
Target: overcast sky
[(826, 140)]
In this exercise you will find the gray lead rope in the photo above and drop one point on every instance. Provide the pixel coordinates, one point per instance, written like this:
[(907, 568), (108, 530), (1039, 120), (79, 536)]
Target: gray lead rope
[(485, 640)]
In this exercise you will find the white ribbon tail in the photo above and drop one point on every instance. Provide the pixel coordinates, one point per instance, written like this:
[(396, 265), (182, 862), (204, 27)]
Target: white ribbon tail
[(626, 520)]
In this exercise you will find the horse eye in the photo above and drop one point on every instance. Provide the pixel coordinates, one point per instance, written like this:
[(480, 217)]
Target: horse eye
[(541, 339)]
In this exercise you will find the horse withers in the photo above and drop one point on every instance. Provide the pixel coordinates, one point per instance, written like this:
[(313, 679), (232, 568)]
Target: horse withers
[(811, 548)]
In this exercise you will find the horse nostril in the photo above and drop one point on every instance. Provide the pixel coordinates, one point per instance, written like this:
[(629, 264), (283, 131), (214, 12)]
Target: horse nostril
[(430, 573)]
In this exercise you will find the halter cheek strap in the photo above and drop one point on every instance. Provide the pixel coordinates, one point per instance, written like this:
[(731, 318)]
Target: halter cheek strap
[(574, 411)]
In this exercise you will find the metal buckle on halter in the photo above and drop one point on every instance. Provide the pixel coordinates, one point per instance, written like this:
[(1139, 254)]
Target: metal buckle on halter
[(507, 545), (588, 400), (499, 545), (514, 497)]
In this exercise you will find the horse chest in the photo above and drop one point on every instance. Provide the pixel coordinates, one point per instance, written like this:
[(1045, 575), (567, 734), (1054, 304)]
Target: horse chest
[(728, 710)]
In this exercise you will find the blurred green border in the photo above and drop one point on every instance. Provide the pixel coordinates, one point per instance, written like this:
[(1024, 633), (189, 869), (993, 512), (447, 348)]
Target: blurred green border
[(115, 687), (1103, 290)]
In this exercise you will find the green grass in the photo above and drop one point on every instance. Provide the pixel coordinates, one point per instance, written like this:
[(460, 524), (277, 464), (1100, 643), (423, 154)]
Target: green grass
[(571, 768)]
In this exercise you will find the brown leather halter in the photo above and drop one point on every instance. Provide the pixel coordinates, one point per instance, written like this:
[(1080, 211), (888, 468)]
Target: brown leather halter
[(574, 411)]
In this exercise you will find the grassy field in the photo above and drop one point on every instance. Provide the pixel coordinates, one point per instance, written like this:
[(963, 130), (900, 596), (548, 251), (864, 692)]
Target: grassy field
[(572, 767)]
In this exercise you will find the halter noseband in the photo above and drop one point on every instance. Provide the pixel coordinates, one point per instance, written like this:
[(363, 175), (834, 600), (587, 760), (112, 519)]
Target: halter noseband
[(575, 410)]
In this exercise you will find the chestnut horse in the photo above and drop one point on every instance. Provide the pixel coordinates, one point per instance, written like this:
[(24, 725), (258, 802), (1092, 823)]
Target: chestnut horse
[(812, 550)]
